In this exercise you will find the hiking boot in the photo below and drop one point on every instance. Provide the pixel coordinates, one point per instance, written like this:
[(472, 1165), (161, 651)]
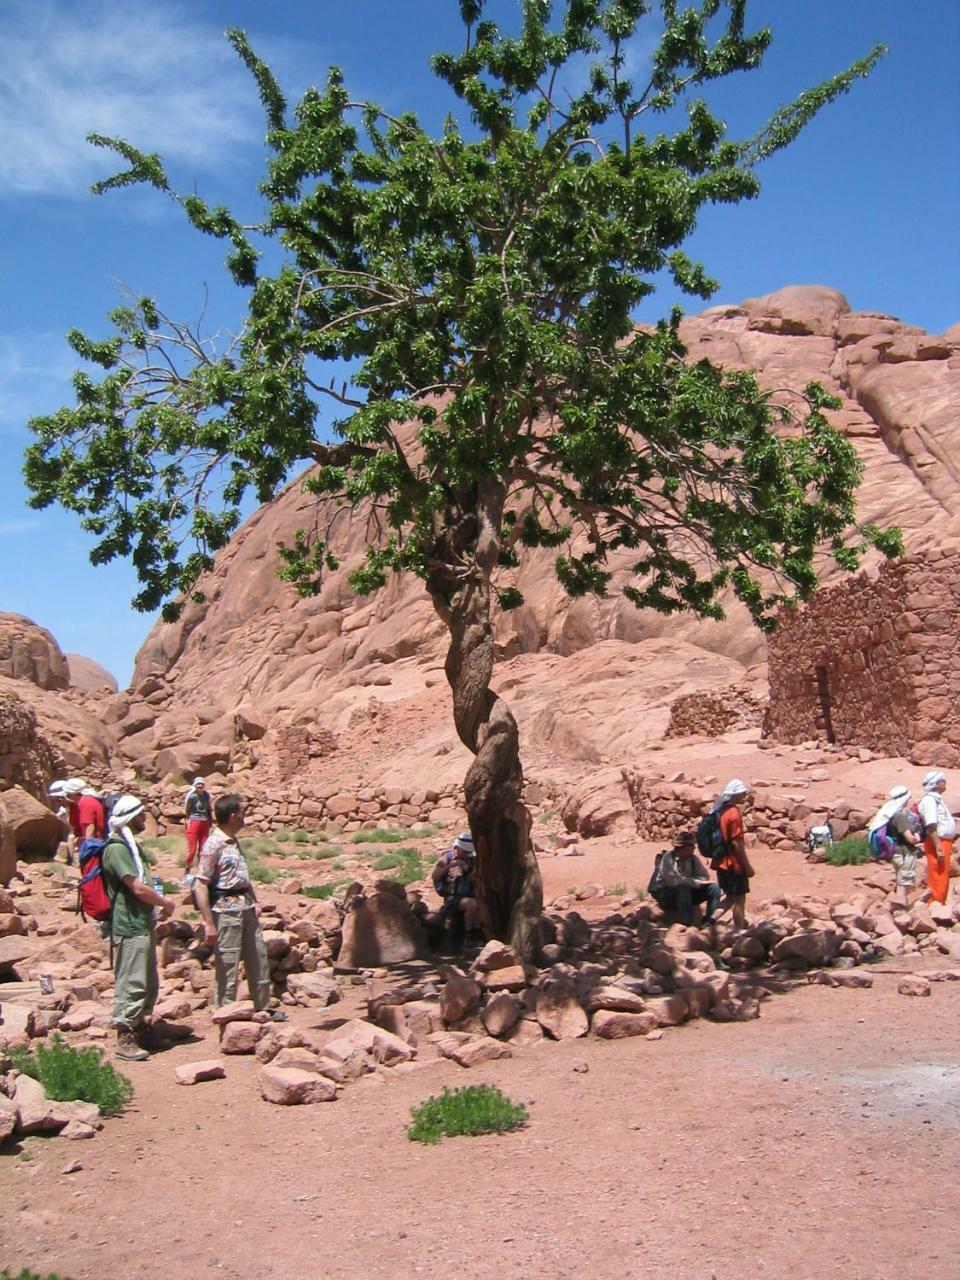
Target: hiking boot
[(127, 1047)]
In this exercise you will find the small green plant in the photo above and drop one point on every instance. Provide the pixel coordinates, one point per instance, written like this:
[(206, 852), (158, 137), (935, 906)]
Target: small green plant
[(476, 1108), (170, 886), (331, 852), (69, 1075), (640, 892), (28, 1275), (300, 836), (261, 874), (616, 891), (338, 864), (850, 851), (405, 861), (378, 835), (318, 891), (547, 816)]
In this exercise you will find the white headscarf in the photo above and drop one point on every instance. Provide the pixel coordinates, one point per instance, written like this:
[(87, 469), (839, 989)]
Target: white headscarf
[(126, 808), (735, 787), (899, 799), (933, 779)]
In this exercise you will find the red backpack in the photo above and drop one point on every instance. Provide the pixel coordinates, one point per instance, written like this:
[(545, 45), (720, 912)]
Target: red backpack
[(93, 900)]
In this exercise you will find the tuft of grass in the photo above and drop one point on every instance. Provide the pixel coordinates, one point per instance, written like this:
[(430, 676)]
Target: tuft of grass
[(29, 1275), (454, 1113), (261, 874), (405, 861), (318, 891), (851, 851), (170, 886), (616, 890), (338, 864), (640, 892), (300, 836), (378, 835), (70, 1075)]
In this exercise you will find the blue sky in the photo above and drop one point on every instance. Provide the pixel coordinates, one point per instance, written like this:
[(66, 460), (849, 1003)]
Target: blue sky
[(865, 201)]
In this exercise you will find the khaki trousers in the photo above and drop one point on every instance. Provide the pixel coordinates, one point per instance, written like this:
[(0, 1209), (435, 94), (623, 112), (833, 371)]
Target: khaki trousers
[(241, 938), (136, 983)]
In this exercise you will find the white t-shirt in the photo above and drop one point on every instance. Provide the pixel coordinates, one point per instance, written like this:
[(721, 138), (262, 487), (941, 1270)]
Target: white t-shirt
[(932, 809)]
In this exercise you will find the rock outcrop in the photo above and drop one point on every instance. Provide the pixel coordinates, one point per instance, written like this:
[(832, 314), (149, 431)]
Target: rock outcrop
[(29, 652)]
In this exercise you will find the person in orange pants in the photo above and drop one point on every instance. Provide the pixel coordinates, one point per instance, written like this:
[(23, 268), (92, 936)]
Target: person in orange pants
[(939, 831)]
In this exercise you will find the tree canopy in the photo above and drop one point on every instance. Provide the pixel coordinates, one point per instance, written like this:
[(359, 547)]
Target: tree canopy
[(477, 288)]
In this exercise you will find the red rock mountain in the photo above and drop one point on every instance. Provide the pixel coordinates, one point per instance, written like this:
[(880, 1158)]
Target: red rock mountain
[(255, 649)]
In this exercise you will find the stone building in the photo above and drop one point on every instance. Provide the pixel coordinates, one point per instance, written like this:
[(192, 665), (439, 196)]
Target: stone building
[(874, 662)]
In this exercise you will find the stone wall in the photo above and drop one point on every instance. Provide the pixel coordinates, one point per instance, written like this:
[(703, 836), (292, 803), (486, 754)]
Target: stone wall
[(715, 711), (297, 746), (776, 819), (873, 662)]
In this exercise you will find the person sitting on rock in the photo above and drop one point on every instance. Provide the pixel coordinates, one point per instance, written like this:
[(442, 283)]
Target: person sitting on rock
[(939, 832), (453, 879), (681, 882)]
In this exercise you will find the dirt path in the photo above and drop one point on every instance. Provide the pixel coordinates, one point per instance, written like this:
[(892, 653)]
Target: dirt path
[(820, 1140)]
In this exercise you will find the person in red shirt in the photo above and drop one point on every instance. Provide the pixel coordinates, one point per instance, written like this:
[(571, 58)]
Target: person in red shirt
[(733, 868), (84, 812)]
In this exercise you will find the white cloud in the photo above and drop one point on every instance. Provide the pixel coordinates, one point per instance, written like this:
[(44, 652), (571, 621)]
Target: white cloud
[(35, 371), (152, 74), (9, 528)]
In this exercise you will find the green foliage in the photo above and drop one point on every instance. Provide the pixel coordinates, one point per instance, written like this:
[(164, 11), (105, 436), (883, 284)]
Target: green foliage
[(260, 874), (170, 886), (850, 851), (499, 264), (301, 837), (405, 861), (476, 1108), (616, 890), (378, 835), (318, 891), (29, 1275), (69, 1075)]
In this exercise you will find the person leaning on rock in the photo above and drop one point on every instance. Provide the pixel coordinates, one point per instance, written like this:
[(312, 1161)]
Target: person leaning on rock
[(681, 882), (132, 928), (231, 913), (939, 832)]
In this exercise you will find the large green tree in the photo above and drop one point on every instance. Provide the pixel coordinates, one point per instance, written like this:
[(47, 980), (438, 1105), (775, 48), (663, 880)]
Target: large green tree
[(466, 301)]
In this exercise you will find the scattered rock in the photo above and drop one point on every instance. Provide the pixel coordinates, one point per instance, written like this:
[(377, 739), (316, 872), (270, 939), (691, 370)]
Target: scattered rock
[(289, 1086), (913, 985), (196, 1072)]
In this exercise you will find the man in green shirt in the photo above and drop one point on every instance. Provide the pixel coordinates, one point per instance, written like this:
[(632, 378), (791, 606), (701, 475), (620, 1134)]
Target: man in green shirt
[(136, 981)]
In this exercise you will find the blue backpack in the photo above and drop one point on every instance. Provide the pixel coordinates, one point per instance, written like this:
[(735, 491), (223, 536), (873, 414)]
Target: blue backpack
[(710, 839)]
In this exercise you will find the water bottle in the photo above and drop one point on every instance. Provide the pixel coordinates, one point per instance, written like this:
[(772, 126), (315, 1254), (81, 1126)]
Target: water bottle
[(157, 886)]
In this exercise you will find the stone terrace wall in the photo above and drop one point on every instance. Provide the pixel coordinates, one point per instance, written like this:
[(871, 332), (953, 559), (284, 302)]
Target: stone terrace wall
[(776, 819), (715, 711), (888, 655)]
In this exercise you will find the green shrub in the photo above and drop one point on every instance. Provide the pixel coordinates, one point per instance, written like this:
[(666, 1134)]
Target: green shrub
[(616, 890), (170, 886), (318, 891), (300, 836), (71, 1075), (338, 864), (405, 861), (850, 851), (476, 1108), (28, 1275), (261, 874), (378, 835)]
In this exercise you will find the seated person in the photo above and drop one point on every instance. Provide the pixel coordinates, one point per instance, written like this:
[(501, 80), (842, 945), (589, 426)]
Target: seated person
[(452, 878), (680, 881)]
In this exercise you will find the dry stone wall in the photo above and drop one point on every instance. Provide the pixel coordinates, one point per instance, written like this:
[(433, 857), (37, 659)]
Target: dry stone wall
[(874, 662), (715, 711)]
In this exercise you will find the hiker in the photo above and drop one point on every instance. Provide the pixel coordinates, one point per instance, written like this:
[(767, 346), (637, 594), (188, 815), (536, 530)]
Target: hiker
[(732, 865), (903, 829), (231, 913), (453, 879), (198, 815), (882, 843), (939, 833), (681, 882), (57, 797), (84, 814), (132, 928)]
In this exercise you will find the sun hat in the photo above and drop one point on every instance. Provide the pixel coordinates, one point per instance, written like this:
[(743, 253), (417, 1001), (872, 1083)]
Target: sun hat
[(464, 842)]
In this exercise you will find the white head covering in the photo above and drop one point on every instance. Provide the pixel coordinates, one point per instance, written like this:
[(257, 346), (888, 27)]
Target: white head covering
[(735, 787), (124, 811), (55, 791), (899, 799), (933, 779), (464, 842), (74, 786)]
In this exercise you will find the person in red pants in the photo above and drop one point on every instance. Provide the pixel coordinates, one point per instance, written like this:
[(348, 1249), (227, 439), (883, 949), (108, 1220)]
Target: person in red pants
[(939, 831), (198, 816)]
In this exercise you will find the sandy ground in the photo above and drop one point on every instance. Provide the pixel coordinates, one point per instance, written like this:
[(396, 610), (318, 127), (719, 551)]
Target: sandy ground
[(820, 1140)]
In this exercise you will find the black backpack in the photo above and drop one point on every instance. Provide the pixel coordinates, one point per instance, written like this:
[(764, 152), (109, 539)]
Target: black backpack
[(652, 882), (710, 839)]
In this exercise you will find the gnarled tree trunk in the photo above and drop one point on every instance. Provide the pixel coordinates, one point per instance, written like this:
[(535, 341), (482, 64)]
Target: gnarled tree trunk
[(509, 887)]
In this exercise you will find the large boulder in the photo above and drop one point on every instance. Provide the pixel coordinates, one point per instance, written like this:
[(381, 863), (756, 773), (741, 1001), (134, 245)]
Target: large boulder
[(559, 1011), (29, 652), (8, 846), (88, 676), (37, 831), (379, 928)]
